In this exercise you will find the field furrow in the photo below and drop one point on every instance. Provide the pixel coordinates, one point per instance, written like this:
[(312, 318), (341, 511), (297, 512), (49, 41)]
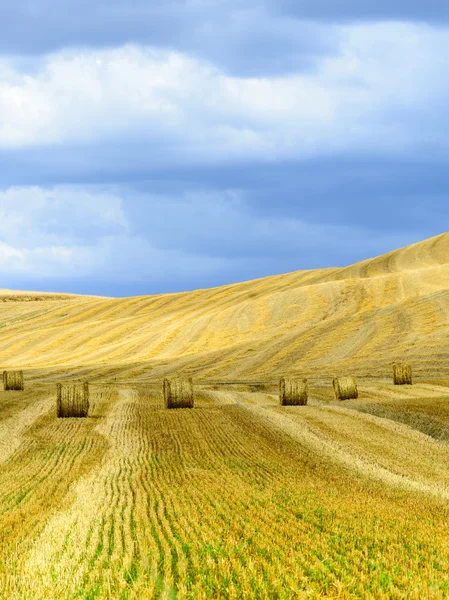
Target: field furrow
[(236, 498)]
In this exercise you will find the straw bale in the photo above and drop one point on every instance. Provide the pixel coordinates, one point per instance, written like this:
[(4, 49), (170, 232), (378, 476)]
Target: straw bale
[(345, 388), (402, 374), (178, 393), (72, 400), (293, 392), (13, 380)]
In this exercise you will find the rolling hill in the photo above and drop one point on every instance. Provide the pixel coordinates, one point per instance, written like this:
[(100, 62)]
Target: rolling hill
[(316, 323), (238, 497)]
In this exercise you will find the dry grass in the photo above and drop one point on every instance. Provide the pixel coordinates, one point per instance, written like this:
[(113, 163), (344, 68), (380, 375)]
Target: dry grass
[(345, 388), (13, 380), (293, 392), (355, 320), (178, 393), (241, 497), (424, 407), (402, 374), (72, 400), (231, 500)]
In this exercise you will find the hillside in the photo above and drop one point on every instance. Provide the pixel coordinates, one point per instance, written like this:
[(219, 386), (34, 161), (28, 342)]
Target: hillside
[(238, 497), (317, 322)]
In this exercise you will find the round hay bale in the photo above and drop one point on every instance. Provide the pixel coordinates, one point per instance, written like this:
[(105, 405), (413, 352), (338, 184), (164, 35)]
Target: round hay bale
[(72, 400), (293, 392), (345, 388), (13, 380), (178, 393), (402, 374)]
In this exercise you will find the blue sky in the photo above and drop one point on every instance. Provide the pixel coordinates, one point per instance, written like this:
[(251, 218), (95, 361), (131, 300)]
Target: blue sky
[(150, 147)]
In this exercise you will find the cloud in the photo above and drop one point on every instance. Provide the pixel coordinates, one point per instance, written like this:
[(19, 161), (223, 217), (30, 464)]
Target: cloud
[(230, 225), (73, 233), (240, 38), (154, 243), (353, 10), (46, 233), (382, 91), (60, 215), (201, 142), (44, 262)]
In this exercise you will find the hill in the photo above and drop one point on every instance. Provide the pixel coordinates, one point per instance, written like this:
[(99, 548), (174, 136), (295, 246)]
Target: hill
[(238, 497), (316, 322)]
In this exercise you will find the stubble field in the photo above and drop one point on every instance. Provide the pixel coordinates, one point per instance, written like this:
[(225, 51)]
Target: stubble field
[(237, 497)]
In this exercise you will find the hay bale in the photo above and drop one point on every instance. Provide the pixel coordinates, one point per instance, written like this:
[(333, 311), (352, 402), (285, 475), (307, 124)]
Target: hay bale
[(293, 392), (178, 393), (402, 374), (13, 380), (72, 400), (345, 388)]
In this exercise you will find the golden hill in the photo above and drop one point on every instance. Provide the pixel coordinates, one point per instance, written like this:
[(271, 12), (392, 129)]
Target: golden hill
[(319, 322), (239, 497)]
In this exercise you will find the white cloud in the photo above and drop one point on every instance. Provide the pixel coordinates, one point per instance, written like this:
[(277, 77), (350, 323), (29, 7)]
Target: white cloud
[(386, 81), (47, 232), (61, 215), (70, 233), (45, 262)]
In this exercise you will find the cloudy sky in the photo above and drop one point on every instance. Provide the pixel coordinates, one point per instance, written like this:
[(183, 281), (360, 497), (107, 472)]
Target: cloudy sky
[(150, 147)]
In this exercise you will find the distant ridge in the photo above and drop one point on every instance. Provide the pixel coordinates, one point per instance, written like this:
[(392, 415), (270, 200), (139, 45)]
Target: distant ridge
[(27, 296)]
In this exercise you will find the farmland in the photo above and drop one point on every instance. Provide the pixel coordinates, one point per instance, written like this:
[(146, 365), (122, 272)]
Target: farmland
[(238, 497)]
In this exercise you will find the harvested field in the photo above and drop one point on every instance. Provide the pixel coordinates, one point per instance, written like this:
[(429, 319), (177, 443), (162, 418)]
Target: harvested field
[(356, 320), (239, 497), (220, 501)]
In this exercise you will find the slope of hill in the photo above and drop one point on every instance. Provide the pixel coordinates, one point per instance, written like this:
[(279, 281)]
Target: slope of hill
[(318, 322), (239, 497)]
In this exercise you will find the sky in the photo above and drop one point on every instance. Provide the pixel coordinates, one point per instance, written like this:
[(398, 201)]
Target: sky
[(171, 145)]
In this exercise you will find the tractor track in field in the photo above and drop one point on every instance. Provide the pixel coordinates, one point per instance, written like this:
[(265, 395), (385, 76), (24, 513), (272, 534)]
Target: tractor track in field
[(381, 451), (189, 503)]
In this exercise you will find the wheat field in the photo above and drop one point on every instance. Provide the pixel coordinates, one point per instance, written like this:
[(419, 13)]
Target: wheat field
[(238, 497)]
